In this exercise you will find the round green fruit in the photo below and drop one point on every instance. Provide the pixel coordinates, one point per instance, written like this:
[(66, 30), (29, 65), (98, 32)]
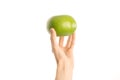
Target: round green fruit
[(64, 25)]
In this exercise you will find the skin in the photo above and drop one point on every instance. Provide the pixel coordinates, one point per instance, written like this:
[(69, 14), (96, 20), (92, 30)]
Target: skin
[(63, 55)]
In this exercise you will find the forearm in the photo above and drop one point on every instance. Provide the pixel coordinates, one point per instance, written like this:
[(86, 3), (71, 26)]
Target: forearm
[(64, 71)]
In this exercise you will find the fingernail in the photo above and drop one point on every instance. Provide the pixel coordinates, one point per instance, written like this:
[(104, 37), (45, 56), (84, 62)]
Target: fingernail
[(50, 30)]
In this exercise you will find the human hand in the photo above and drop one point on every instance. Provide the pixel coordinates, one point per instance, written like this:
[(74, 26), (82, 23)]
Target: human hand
[(62, 53)]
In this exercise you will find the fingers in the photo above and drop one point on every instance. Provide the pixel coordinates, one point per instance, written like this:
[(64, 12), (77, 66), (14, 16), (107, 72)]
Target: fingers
[(53, 37), (73, 41), (61, 40), (69, 41)]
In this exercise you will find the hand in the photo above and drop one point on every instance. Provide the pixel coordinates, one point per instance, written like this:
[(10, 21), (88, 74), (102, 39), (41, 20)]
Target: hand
[(63, 55)]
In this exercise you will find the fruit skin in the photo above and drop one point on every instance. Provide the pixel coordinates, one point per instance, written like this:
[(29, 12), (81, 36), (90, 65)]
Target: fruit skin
[(64, 25)]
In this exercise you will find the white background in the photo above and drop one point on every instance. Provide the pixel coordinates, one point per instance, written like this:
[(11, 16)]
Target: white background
[(25, 50)]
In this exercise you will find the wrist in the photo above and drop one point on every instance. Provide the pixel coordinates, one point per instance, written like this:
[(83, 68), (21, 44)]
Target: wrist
[(65, 64), (64, 72)]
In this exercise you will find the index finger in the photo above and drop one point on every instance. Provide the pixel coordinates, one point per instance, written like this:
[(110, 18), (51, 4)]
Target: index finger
[(53, 37)]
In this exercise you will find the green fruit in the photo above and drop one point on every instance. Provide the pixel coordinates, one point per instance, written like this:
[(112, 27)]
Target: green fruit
[(64, 25)]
